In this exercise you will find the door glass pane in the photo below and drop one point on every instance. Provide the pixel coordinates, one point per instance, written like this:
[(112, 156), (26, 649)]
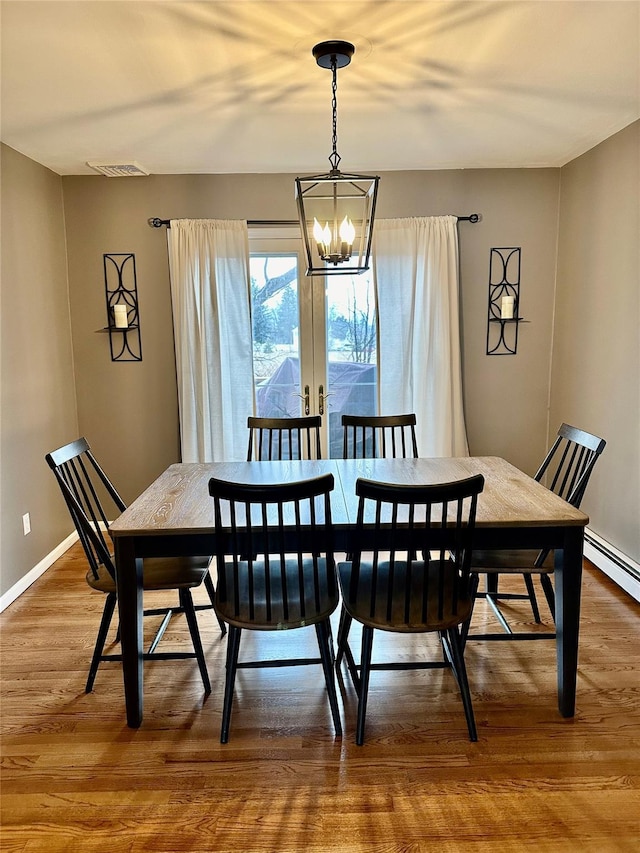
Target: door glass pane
[(276, 355), (351, 352)]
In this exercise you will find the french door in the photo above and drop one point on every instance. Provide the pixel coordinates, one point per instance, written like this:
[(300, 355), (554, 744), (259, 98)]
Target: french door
[(314, 339)]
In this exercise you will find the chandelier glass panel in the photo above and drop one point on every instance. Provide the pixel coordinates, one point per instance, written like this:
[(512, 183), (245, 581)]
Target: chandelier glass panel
[(336, 209)]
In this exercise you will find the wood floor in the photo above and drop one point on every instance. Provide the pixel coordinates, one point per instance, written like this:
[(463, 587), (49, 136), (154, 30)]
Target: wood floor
[(75, 778)]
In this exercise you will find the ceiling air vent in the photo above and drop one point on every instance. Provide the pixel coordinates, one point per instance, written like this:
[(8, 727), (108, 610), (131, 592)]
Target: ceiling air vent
[(119, 170)]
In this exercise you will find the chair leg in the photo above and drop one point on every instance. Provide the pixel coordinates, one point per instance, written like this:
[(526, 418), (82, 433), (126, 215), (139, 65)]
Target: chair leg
[(186, 602), (365, 669), (474, 580), (163, 627), (233, 647), (332, 650), (103, 630), (208, 584), (492, 600), (323, 632), (343, 634), (550, 595), (460, 670), (528, 580)]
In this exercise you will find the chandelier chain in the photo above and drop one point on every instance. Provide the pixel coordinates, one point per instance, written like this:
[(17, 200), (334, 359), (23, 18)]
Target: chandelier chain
[(334, 158)]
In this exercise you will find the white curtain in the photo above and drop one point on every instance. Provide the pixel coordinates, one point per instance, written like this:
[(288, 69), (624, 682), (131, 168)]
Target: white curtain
[(210, 293), (416, 276)]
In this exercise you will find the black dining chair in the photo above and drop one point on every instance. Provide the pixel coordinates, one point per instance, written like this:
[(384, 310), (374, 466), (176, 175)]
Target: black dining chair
[(379, 437), (92, 501), (384, 436), (565, 470), (284, 438), (288, 581), (386, 587)]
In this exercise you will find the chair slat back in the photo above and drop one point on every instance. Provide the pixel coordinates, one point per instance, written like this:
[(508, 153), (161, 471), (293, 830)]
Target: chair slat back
[(284, 438), (284, 534), (87, 492), (382, 436), (408, 533), (569, 463)]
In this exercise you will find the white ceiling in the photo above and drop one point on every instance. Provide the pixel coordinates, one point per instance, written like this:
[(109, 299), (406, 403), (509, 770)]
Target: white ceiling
[(225, 87)]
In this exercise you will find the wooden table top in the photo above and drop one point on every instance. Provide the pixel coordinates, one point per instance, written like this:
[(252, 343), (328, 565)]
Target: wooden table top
[(510, 497), (179, 502)]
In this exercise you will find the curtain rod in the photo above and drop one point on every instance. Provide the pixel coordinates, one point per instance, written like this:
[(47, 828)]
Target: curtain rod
[(156, 222)]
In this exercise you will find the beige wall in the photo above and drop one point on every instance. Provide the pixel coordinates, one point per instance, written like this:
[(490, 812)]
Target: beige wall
[(38, 406), (129, 411), (595, 380)]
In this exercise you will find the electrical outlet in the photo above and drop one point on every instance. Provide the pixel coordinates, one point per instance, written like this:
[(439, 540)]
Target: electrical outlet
[(26, 523)]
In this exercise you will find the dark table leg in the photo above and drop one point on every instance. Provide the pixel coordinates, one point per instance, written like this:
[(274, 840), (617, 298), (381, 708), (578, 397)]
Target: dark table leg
[(492, 582), (568, 576), (129, 583)]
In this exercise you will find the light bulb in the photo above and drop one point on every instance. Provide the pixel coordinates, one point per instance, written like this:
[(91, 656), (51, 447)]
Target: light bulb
[(347, 231)]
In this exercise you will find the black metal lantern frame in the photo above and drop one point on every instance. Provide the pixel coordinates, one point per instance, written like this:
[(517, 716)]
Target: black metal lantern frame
[(336, 209)]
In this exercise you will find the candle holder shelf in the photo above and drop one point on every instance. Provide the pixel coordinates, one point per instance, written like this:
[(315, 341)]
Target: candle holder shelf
[(504, 282), (123, 319)]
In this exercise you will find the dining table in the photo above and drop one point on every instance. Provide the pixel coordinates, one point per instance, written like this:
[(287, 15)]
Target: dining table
[(174, 517)]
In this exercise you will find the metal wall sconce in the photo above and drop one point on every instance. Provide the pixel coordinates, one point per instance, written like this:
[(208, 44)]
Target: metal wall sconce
[(504, 301), (123, 319)]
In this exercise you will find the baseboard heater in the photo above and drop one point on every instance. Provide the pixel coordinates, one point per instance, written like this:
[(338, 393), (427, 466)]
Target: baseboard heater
[(613, 562)]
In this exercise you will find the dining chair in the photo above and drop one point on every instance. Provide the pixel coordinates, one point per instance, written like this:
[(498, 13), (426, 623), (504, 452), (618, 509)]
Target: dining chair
[(565, 470), (91, 498), (386, 587), (288, 581), (284, 438), (386, 436), (379, 436)]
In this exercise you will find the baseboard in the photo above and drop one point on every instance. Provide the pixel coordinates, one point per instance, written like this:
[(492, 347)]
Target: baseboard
[(25, 582), (618, 566)]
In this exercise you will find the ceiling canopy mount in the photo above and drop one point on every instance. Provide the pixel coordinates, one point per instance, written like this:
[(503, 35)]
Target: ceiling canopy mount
[(339, 52)]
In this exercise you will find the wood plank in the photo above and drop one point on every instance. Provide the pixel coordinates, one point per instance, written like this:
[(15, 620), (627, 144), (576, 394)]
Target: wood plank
[(510, 498), (179, 499)]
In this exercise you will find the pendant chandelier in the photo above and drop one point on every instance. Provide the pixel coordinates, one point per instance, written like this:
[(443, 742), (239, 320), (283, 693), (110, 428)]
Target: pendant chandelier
[(336, 209)]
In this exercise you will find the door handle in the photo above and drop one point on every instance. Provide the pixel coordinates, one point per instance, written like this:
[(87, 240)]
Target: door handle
[(321, 398), (305, 398)]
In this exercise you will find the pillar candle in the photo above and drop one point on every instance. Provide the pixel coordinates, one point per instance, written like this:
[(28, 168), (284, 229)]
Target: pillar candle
[(506, 307), (120, 316)]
